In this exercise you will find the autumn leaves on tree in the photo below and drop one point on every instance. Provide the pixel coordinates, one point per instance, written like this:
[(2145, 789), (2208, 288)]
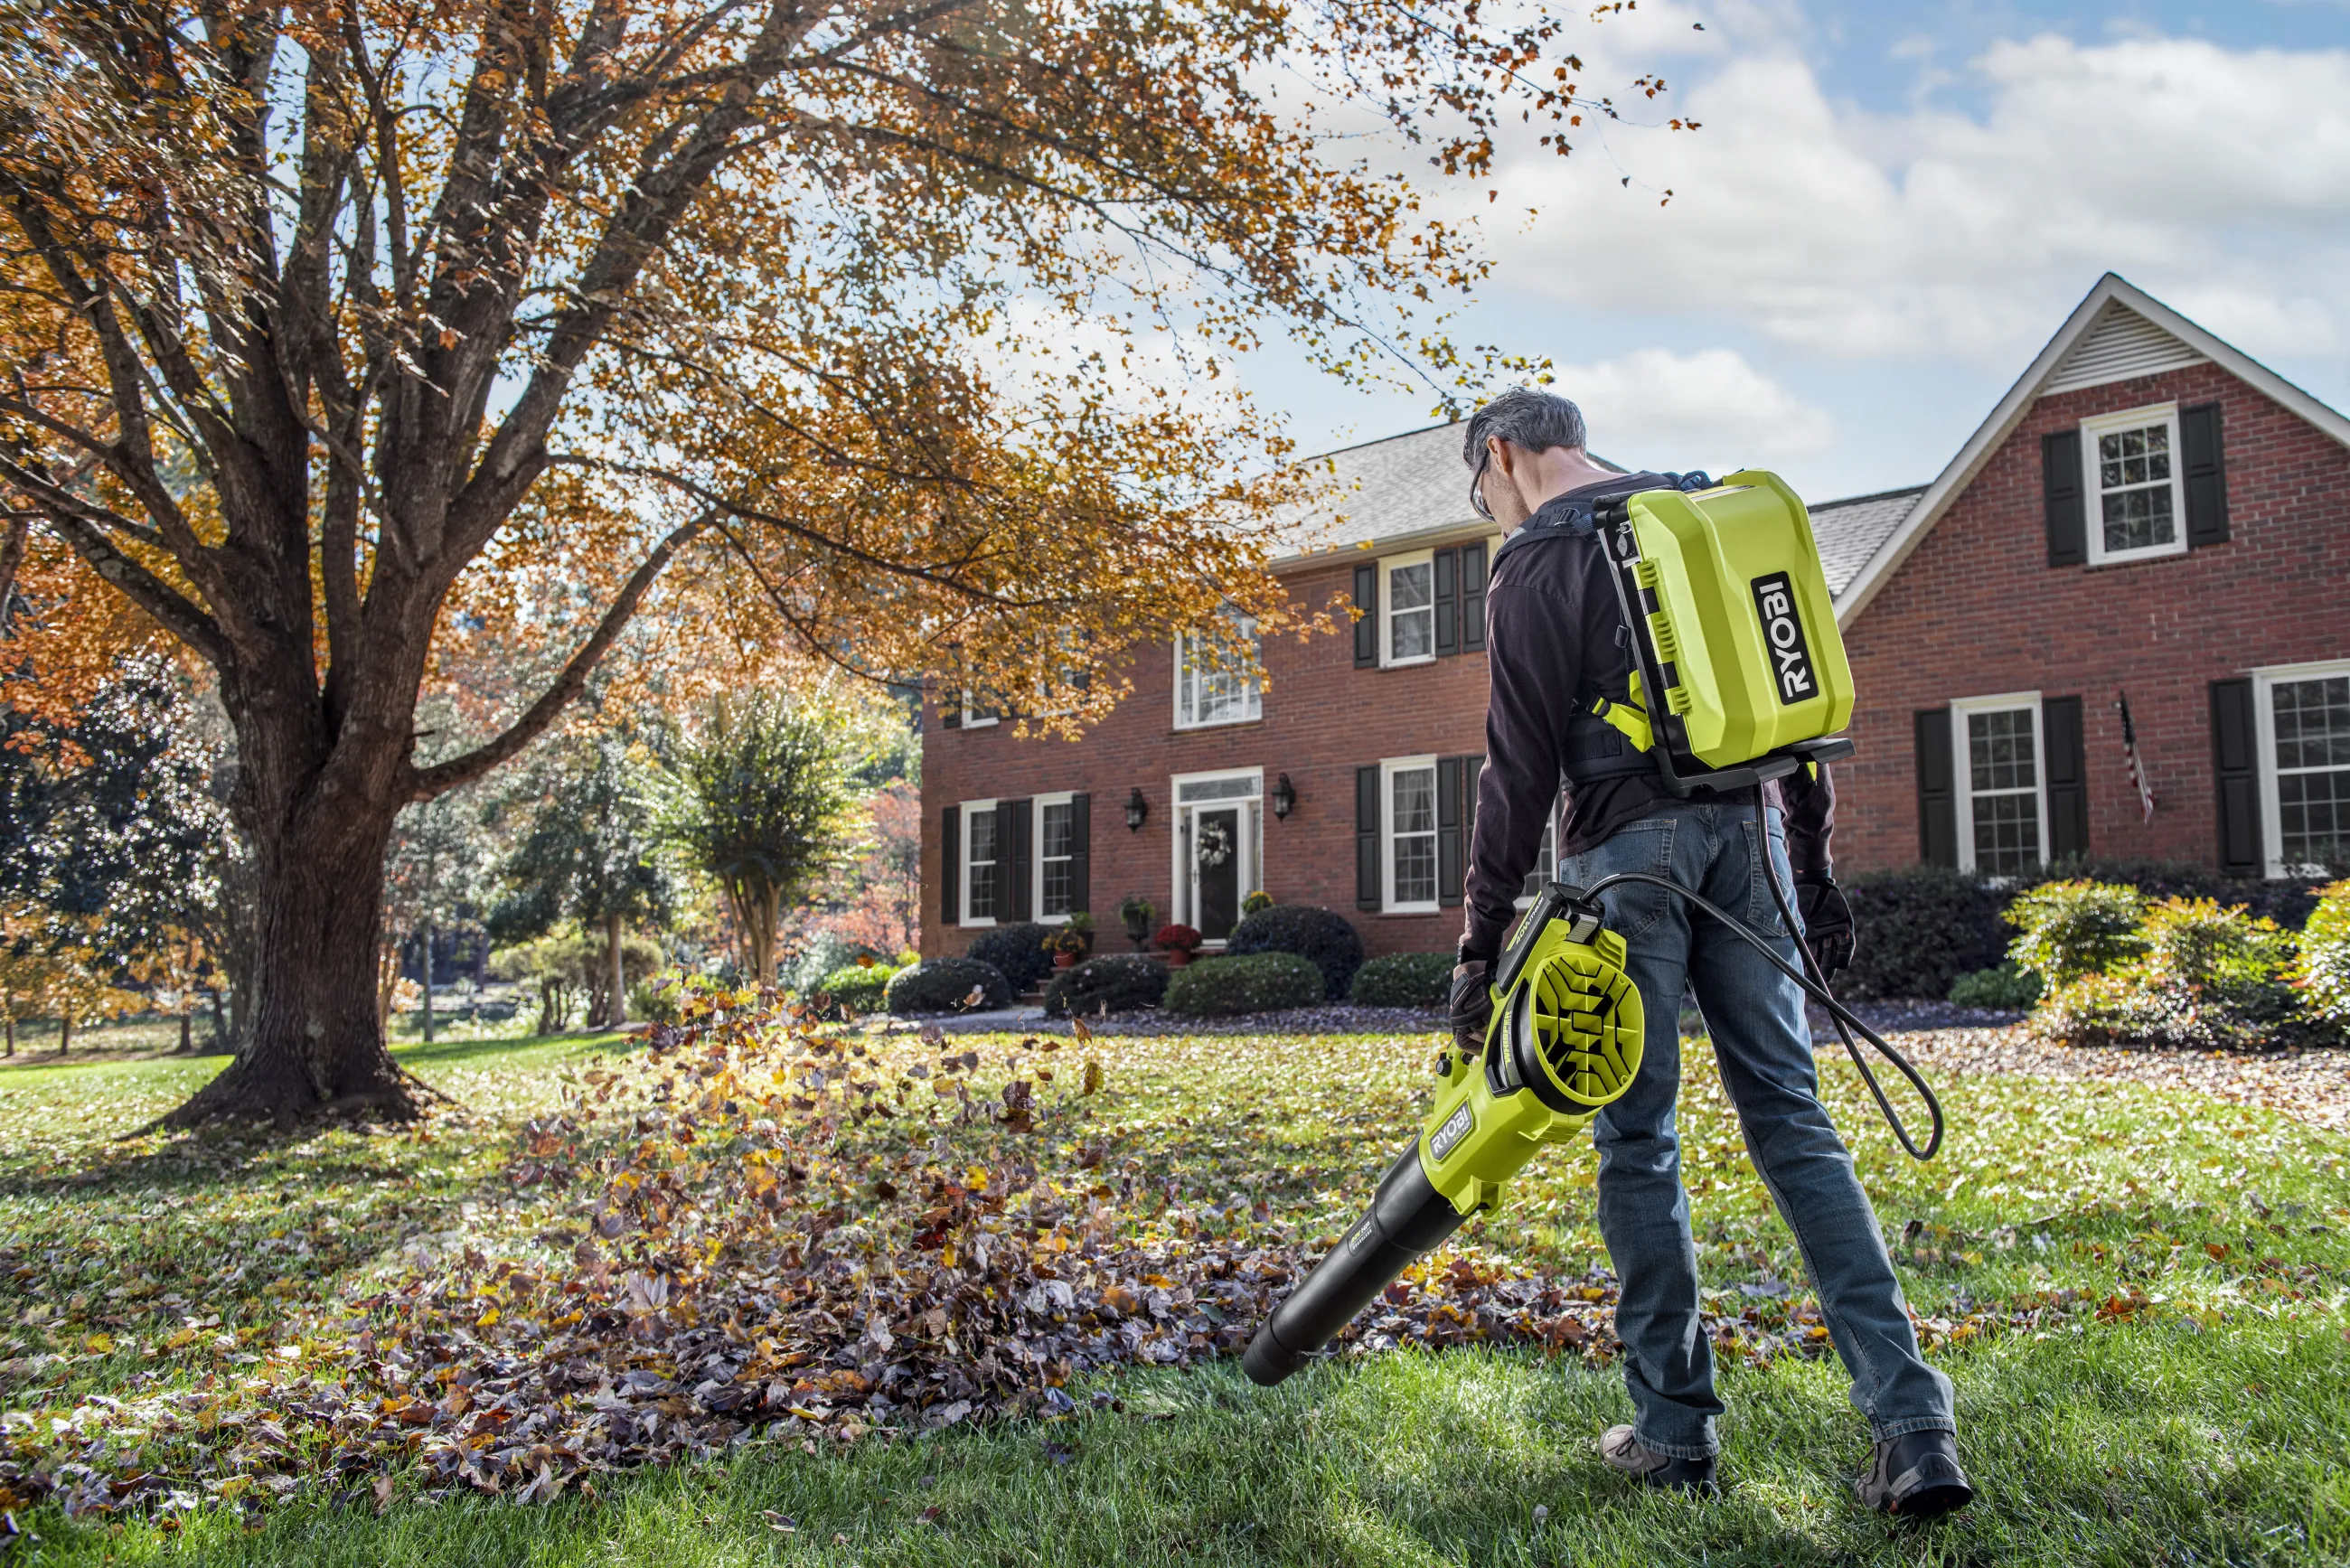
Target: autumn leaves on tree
[(346, 339)]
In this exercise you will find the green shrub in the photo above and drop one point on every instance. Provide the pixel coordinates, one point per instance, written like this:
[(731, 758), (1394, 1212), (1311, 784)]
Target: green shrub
[(2209, 979), (1404, 979), (1116, 982), (1018, 951), (946, 985), (2073, 929), (1251, 982), (818, 956), (655, 998), (1326, 937), (2322, 972), (2285, 901), (858, 987), (1918, 929), (2005, 986)]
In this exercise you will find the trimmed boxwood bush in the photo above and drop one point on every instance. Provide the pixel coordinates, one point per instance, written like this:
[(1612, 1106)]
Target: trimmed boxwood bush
[(1404, 979), (1120, 982), (1326, 937), (2205, 979), (945, 984), (1018, 951), (1918, 929), (1252, 982), (858, 988), (2005, 986), (2322, 972)]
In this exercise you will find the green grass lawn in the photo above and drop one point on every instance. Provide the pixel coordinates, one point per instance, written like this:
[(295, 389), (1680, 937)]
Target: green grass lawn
[(2199, 1416)]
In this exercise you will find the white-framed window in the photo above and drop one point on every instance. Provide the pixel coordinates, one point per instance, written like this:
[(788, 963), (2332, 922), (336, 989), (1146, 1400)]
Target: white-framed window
[(2138, 500), (1407, 826), (974, 717), (983, 863), (2302, 713), (1407, 608), (1056, 849), (2002, 787), (1218, 685)]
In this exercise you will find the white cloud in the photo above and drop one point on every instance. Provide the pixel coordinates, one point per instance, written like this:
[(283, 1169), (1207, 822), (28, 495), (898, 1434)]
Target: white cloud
[(1654, 408), (2218, 179)]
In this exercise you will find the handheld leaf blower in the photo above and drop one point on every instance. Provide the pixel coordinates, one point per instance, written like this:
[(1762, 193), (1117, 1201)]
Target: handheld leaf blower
[(1733, 627)]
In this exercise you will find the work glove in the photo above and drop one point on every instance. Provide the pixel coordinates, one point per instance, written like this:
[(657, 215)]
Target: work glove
[(1471, 1006), (1828, 921)]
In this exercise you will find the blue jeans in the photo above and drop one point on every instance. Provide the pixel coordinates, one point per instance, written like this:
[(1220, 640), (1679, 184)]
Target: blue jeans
[(1763, 1046)]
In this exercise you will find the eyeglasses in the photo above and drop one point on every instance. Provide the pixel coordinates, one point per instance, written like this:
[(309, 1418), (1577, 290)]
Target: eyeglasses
[(1477, 483)]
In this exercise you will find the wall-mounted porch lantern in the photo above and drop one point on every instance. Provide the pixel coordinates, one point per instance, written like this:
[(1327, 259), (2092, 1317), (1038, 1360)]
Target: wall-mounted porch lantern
[(1136, 809), (1285, 796)]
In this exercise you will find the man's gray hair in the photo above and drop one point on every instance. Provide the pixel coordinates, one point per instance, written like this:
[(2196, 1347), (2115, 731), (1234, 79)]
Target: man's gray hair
[(1524, 417)]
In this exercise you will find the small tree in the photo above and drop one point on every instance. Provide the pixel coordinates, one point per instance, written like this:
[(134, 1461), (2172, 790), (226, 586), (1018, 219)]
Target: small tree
[(591, 853), (759, 800)]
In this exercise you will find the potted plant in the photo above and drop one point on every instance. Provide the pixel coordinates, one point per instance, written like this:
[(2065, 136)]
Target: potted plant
[(1066, 946), (1178, 943), (1137, 912), (1257, 902)]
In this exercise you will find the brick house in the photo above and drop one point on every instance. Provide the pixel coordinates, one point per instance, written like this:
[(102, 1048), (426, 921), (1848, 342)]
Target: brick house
[(2148, 515)]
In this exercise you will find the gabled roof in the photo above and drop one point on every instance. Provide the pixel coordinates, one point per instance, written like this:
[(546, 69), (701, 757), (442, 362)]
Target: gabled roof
[(2118, 332), (1412, 489), (1850, 531)]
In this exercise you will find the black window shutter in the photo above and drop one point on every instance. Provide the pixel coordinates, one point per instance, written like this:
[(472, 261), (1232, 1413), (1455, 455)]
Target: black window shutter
[(2236, 770), (1367, 837), (1449, 812), (1367, 629), (2068, 777), (1447, 601), (1081, 852), (2206, 475), (1015, 828), (1938, 799), (2060, 481), (951, 865), (1472, 598), (950, 711)]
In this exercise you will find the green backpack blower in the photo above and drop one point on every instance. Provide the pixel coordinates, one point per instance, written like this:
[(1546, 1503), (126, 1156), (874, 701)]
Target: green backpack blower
[(1733, 629)]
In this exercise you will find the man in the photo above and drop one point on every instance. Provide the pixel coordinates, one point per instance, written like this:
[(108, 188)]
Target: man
[(1557, 642)]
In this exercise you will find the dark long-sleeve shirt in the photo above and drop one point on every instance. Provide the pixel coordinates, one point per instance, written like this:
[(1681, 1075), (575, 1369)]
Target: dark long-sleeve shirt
[(1553, 631)]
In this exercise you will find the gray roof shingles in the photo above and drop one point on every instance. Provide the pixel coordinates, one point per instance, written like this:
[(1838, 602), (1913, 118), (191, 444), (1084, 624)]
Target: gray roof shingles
[(1415, 483)]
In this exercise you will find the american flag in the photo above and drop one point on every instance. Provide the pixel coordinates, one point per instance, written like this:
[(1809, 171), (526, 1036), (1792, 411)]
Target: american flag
[(2136, 768)]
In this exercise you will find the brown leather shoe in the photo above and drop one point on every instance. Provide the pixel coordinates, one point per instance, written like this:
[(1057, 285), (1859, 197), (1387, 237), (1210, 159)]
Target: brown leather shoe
[(1622, 1451)]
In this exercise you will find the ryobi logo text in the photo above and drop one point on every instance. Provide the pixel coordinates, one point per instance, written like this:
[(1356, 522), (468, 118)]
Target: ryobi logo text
[(1791, 651), (1448, 1137)]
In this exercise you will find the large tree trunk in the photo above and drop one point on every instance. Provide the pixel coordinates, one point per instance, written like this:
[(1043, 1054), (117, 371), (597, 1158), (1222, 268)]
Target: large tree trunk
[(64, 1033), (312, 1044)]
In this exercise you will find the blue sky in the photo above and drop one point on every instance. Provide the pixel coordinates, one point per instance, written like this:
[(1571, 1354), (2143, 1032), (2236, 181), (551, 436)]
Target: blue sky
[(1888, 211)]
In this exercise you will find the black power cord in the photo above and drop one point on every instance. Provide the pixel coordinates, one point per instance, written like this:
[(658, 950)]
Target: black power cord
[(1812, 983)]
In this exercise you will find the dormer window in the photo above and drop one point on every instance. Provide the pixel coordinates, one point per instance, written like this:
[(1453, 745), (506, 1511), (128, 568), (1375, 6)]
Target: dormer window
[(2133, 479)]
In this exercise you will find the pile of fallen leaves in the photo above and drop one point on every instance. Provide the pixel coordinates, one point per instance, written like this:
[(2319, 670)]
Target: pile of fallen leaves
[(763, 1230)]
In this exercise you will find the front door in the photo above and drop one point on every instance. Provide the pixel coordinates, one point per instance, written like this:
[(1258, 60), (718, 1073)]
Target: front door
[(1216, 871)]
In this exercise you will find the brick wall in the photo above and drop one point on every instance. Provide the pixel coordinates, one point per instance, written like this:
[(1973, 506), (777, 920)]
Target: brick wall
[(1976, 610), (1322, 718)]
